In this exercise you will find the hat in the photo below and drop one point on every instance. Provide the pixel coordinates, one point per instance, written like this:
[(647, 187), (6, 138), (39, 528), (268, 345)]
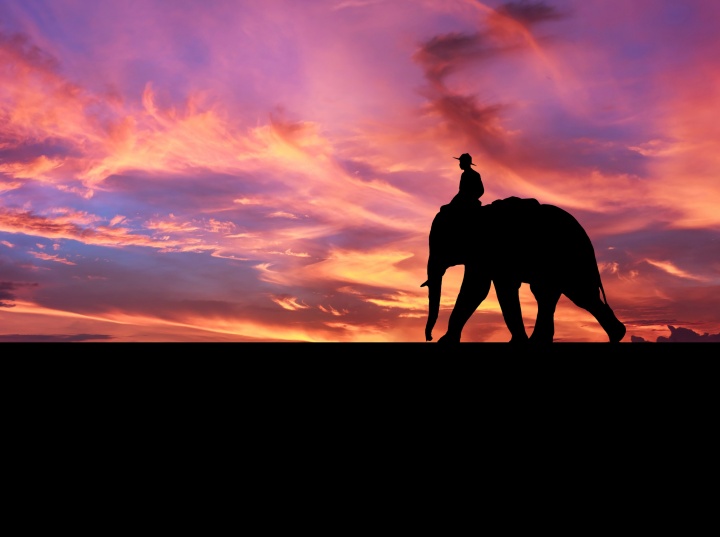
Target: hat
[(467, 157)]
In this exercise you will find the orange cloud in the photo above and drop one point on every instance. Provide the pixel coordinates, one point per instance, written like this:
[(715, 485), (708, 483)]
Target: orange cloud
[(289, 303), (670, 268)]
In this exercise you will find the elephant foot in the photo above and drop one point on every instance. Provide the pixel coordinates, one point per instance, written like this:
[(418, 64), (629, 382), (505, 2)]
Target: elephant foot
[(537, 340), (521, 339), (449, 338), (616, 332), (613, 327)]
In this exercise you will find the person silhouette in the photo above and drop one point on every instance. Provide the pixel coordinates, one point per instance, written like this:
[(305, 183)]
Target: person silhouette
[(471, 185)]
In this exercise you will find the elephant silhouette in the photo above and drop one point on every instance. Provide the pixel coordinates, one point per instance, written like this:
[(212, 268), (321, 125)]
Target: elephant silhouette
[(509, 242)]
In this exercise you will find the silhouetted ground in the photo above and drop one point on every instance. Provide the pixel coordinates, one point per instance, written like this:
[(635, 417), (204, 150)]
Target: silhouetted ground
[(388, 353), (275, 417), (280, 395), (150, 357)]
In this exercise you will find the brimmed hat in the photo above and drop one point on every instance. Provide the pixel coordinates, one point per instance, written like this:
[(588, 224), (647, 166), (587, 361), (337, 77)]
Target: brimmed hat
[(465, 157)]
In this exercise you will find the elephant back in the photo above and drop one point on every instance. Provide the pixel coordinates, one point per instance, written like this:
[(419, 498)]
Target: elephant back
[(522, 232), (494, 227), (511, 210), (512, 228), (504, 220)]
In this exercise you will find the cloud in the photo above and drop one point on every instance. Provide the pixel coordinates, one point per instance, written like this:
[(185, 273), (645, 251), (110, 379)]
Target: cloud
[(289, 303), (332, 311), (8, 293), (682, 335), (18, 48), (442, 55), (346, 4), (283, 214), (475, 124), (38, 106), (77, 226), (45, 338), (35, 169), (48, 257), (528, 13), (670, 268)]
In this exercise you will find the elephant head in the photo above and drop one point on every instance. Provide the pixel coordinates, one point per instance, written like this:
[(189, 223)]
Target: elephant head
[(448, 246)]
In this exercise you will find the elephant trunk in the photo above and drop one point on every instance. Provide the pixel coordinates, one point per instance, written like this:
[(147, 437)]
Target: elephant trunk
[(434, 285)]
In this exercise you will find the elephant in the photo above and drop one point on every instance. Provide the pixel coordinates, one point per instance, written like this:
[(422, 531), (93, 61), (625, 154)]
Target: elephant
[(507, 243)]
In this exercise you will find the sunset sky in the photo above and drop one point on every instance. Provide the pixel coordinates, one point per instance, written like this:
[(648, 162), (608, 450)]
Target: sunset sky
[(239, 171)]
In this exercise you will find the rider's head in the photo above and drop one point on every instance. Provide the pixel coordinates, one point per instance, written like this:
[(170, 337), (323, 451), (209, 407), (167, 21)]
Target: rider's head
[(465, 161)]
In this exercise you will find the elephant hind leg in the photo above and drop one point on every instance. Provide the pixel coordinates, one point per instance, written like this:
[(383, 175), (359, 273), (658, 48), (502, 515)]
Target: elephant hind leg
[(591, 302), (547, 299), (507, 292), (614, 328)]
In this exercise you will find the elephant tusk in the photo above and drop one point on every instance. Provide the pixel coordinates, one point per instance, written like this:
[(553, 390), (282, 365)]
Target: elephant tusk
[(425, 284)]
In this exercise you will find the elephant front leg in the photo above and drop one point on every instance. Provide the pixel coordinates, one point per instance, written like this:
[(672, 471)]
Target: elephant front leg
[(474, 289), (509, 298)]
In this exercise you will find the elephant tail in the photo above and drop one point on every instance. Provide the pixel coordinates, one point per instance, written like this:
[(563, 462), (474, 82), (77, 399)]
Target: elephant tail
[(602, 289), (603, 294), (615, 329)]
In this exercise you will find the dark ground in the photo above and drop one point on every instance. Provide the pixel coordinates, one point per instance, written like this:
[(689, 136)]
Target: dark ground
[(250, 366), (596, 405), (572, 435)]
